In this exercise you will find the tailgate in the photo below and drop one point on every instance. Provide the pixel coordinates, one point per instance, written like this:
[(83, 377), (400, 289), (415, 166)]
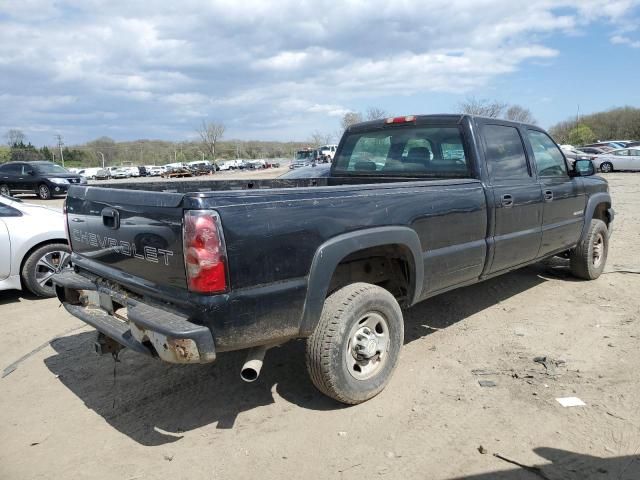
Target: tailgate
[(136, 232)]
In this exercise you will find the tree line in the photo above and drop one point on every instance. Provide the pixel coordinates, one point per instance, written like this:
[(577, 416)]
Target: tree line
[(617, 123)]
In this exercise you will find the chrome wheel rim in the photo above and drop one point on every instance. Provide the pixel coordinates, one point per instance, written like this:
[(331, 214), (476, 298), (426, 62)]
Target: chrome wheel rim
[(605, 167), (50, 264), (597, 250), (4, 190), (367, 350), (44, 191)]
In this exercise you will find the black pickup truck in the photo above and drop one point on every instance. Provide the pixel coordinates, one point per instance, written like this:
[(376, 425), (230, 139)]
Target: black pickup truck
[(413, 206)]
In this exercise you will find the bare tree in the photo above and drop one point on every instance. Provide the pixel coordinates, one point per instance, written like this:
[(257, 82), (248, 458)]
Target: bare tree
[(518, 113), (319, 138), (375, 113), (15, 137), (351, 118), (210, 133), (482, 107)]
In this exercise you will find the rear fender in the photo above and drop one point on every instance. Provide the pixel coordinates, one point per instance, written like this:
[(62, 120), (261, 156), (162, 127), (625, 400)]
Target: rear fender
[(331, 253)]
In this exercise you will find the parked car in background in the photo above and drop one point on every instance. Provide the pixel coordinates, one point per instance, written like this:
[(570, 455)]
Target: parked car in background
[(102, 174), (155, 171), (621, 159), (120, 173), (572, 154), (142, 171), (327, 152), (45, 179), (302, 158), (33, 245), (633, 144), (594, 150), (607, 145), (89, 173)]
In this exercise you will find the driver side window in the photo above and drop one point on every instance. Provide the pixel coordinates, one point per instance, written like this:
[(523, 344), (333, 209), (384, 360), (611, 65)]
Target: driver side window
[(547, 155)]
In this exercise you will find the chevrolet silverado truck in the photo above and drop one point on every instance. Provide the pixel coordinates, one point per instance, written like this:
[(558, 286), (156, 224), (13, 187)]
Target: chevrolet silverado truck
[(413, 206)]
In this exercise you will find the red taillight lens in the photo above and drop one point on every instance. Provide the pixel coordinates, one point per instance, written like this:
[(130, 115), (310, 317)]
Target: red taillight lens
[(205, 257)]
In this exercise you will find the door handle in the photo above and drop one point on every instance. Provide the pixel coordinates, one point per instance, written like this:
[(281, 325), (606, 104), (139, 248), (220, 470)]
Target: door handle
[(548, 195), (507, 200)]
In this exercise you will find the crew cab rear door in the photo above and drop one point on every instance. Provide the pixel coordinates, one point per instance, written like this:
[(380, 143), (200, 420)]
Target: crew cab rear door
[(517, 197), (138, 233)]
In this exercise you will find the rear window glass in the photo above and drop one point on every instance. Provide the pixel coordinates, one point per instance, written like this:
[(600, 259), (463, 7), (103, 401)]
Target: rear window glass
[(411, 151)]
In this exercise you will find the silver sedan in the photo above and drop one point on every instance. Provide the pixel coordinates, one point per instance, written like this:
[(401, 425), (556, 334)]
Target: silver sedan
[(33, 246), (621, 159)]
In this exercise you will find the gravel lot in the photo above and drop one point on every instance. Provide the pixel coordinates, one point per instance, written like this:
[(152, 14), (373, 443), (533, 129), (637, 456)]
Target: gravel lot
[(68, 413)]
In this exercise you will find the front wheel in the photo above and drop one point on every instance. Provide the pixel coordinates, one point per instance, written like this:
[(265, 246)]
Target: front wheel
[(588, 258), (4, 190), (354, 349), (44, 192), (606, 167)]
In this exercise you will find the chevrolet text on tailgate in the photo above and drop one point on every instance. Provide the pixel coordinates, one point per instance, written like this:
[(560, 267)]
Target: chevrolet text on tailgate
[(413, 206)]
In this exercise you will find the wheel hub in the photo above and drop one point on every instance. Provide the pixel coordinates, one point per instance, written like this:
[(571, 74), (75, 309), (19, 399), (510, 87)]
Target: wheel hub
[(368, 344)]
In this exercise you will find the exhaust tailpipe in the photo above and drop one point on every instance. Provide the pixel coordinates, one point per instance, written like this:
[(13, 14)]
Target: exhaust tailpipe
[(252, 366)]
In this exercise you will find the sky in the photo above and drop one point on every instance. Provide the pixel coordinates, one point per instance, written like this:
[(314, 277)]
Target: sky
[(284, 70)]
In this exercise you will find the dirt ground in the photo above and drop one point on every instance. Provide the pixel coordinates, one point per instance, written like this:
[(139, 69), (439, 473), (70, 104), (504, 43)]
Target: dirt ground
[(67, 413)]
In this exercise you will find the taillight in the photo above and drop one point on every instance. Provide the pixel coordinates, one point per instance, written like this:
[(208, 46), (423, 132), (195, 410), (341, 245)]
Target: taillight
[(205, 257)]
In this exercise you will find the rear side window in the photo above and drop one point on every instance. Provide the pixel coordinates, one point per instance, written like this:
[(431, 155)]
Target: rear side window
[(505, 153), (549, 160), (410, 151), (14, 169)]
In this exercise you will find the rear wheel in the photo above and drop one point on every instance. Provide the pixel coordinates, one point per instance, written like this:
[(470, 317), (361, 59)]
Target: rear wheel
[(4, 190), (589, 257), (41, 265), (354, 349), (606, 167), (44, 192)]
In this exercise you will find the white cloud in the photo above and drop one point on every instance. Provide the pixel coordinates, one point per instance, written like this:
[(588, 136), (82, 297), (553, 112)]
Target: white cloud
[(622, 40), (265, 61)]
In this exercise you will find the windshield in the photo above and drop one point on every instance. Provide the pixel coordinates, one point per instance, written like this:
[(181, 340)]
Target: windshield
[(413, 151), (50, 168), (304, 154)]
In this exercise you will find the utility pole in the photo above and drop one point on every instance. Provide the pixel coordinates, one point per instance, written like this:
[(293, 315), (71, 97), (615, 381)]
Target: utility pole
[(102, 155), (59, 137)]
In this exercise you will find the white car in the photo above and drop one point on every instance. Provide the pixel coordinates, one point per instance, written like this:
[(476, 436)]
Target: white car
[(155, 171), (120, 173), (33, 244), (89, 173), (621, 159)]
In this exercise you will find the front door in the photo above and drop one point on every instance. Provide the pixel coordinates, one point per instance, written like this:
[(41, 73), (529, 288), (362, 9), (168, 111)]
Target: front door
[(564, 198), (517, 198)]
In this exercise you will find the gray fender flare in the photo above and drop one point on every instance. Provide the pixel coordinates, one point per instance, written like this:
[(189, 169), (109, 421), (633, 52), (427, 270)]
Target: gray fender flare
[(595, 200), (331, 253)]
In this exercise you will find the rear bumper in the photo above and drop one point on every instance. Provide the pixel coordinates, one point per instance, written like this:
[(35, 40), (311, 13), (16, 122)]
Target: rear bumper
[(142, 327)]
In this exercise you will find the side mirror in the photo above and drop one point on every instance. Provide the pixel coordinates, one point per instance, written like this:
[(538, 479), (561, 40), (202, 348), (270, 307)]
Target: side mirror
[(583, 168)]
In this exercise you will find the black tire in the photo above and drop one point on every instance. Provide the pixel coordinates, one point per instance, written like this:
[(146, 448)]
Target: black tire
[(588, 258), (44, 192), (4, 190), (331, 360), (34, 271), (606, 167)]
